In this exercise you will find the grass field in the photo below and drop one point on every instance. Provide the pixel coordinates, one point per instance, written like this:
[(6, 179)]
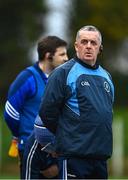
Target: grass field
[(8, 177), (10, 171)]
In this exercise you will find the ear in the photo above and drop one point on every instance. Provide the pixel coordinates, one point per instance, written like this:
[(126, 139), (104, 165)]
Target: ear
[(101, 49), (75, 45), (49, 55)]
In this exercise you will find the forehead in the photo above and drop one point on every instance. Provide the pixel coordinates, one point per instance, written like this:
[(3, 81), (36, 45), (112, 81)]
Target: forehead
[(91, 35), (61, 49)]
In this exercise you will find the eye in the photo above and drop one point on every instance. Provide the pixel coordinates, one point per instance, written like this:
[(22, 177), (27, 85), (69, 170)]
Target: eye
[(84, 41), (94, 43)]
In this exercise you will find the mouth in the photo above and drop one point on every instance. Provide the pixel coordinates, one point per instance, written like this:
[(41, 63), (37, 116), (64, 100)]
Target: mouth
[(88, 54)]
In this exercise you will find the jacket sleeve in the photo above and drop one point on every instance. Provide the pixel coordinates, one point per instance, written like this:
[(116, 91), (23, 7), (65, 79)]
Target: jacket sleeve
[(21, 89), (53, 100)]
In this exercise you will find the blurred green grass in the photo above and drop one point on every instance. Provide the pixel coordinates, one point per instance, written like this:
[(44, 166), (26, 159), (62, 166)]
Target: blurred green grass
[(8, 177), (9, 168)]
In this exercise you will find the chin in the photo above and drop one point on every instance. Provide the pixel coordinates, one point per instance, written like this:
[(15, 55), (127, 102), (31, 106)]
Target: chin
[(89, 61)]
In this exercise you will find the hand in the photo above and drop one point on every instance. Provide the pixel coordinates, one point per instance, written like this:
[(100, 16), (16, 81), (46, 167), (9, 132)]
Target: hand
[(51, 171)]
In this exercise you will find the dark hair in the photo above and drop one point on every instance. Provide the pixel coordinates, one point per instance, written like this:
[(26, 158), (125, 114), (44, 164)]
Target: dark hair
[(49, 44)]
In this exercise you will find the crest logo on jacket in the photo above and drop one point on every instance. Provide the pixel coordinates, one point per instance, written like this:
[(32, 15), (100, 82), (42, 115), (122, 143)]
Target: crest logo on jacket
[(106, 86), (85, 83)]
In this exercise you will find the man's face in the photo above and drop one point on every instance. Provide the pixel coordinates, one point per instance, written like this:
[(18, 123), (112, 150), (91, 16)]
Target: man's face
[(59, 57), (87, 46)]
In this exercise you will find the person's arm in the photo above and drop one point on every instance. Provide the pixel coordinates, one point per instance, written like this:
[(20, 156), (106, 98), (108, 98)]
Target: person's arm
[(22, 88), (53, 100)]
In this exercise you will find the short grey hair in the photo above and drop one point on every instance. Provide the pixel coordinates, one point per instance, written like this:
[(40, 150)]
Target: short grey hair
[(89, 28)]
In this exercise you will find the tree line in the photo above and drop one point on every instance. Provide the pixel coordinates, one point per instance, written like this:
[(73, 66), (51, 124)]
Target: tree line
[(21, 25)]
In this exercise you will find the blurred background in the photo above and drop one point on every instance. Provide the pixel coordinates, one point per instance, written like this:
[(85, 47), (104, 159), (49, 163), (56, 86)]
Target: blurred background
[(23, 22)]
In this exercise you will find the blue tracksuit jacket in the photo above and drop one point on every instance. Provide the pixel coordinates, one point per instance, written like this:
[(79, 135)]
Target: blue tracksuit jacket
[(23, 102), (77, 108)]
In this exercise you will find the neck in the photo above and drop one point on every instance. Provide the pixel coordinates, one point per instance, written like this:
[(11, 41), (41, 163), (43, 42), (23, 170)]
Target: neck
[(95, 66), (45, 67)]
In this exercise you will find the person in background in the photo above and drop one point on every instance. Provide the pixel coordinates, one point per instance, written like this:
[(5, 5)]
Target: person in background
[(26, 91), (78, 109), (40, 160)]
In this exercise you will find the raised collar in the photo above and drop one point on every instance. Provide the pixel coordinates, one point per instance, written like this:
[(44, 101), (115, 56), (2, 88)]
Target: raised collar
[(86, 65)]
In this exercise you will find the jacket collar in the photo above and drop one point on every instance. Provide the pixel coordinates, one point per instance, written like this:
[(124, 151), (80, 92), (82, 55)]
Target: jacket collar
[(44, 77), (95, 66)]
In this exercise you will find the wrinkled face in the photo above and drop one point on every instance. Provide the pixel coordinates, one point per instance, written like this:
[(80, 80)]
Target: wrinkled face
[(59, 57), (87, 46)]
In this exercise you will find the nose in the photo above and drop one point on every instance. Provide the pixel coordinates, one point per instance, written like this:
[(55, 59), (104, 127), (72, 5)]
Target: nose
[(89, 44), (66, 58)]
